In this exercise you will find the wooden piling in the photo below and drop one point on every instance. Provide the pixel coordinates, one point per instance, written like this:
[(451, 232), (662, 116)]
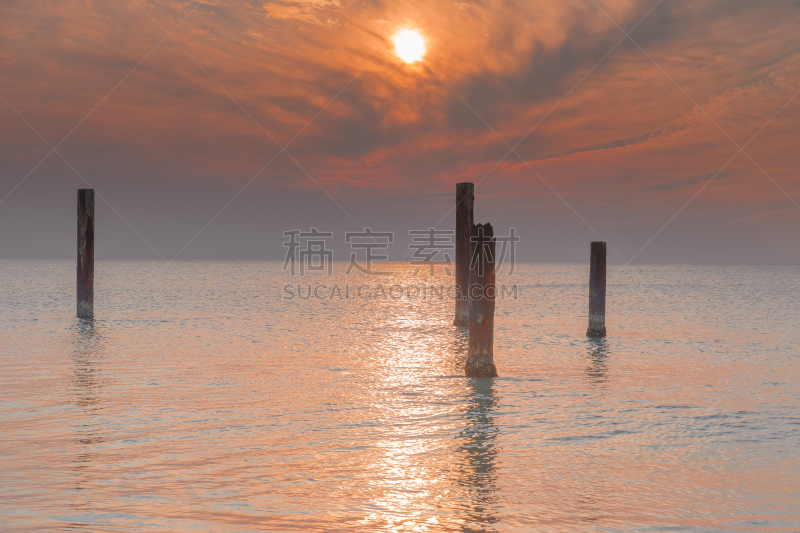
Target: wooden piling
[(597, 291), (465, 199), (85, 278), (482, 293)]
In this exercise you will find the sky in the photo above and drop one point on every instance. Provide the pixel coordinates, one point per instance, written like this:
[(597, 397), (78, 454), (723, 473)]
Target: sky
[(667, 128)]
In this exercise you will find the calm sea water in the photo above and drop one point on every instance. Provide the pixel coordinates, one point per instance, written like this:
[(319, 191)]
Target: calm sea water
[(201, 400)]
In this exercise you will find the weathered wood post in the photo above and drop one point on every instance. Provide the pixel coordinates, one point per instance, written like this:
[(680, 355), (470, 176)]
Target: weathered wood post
[(465, 199), (482, 293), (85, 253), (597, 291)]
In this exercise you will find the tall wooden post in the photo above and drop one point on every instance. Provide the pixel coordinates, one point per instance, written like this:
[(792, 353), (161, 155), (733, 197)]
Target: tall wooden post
[(85, 253), (597, 291), (465, 199), (482, 293)]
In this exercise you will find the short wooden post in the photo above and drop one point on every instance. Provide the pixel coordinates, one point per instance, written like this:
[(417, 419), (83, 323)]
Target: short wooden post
[(597, 291), (482, 293), (85, 253), (465, 199)]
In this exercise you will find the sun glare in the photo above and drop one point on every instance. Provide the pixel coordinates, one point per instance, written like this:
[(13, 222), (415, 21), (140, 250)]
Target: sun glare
[(410, 46)]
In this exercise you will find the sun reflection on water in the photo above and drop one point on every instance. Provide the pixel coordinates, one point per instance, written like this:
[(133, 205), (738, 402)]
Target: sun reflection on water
[(423, 401)]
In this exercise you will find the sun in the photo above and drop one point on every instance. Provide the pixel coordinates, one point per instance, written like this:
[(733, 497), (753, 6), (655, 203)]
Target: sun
[(409, 45)]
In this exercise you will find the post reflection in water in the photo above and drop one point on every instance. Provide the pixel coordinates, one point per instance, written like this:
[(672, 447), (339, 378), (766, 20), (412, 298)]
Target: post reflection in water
[(458, 348), (86, 388), (478, 449), (590, 504), (597, 353)]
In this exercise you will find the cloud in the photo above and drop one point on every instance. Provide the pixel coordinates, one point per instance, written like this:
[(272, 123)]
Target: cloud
[(690, 181), (311, 11)]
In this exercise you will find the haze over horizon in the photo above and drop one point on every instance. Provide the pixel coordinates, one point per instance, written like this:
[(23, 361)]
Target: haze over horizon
[(636, 141)]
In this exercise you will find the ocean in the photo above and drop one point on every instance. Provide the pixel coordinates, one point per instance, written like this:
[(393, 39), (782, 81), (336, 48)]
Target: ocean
[(223, 396)]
